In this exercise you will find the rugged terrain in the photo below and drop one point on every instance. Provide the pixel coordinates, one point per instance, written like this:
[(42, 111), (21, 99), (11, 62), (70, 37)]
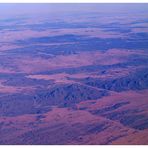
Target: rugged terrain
[(74, 77)]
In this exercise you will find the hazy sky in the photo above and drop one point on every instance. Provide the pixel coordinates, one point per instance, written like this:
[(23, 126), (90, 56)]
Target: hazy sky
[(8, 10)]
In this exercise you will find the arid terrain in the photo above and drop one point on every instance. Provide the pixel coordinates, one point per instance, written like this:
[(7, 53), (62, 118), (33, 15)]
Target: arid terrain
[(72, 75)]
